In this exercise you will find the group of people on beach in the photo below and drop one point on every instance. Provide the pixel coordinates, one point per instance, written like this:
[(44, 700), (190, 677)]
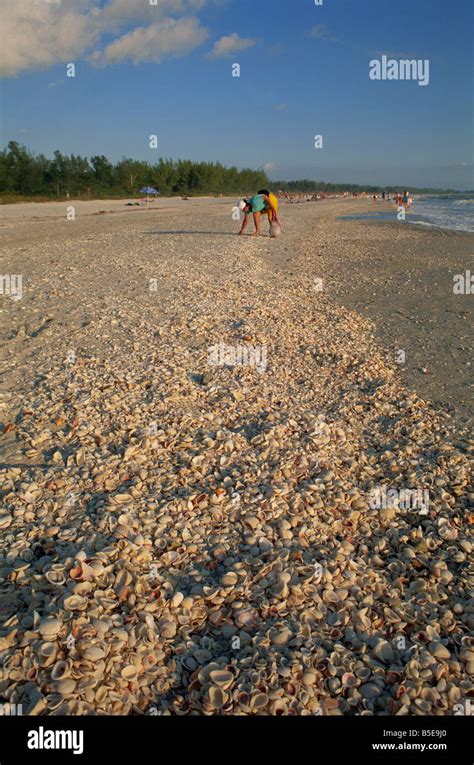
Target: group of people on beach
[(264, 202), (401, 200)]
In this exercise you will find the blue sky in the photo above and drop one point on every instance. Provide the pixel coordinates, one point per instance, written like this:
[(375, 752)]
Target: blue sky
[(167, 70)]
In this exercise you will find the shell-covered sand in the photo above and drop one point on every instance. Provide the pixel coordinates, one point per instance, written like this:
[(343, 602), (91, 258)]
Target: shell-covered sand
[(187, 537)]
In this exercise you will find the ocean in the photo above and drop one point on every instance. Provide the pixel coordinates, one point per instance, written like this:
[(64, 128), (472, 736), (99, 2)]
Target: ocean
[(451, 211), (454, 212)]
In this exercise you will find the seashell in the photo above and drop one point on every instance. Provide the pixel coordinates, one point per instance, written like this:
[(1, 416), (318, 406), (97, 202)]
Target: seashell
[(101, 695), (348, 680), (244, 619), (49, 627), (439, 651), (221, 678), (92, 653), (129, 672), (330, 596), (258, 701), (190, 663), (290, 688), (65, 687), (97, 568), (430, 694), (333, 684), (55, 577), (216, 697), (279, 708), (168, 629), (61, 669), (423, 704), (282, 637), (363, 673), (230, 579), (75, 603), (177, 599), (170, 557), (122, 499), (393, 676), (383, 651), (370, 690), (47, 653)]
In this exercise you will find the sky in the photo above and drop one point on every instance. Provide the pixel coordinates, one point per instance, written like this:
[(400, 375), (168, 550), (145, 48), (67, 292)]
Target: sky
[(166, 69)]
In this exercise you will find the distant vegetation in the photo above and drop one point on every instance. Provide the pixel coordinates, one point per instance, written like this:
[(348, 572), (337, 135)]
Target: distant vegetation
[(314, 186), (24, 175)]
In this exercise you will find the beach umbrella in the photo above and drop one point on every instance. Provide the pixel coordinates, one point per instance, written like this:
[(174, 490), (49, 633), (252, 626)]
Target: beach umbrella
[(148, 190)]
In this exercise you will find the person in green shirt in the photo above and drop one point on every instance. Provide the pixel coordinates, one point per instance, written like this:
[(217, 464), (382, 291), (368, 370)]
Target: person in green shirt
[(256, 205)]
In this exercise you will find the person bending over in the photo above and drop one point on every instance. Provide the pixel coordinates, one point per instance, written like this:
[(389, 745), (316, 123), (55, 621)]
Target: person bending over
[(257, 205), (274, 200)]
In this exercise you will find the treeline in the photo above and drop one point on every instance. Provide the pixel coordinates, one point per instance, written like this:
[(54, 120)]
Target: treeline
[(25, 174), (28, 174), (313, 186)]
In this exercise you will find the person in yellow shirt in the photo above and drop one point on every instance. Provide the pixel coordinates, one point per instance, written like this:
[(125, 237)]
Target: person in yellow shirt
[(274, 200)]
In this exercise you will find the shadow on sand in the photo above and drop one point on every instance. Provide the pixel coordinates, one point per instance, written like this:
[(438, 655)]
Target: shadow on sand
[(191, 233)]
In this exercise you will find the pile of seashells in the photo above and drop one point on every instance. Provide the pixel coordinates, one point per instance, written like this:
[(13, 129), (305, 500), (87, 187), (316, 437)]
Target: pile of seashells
[(186, 539)]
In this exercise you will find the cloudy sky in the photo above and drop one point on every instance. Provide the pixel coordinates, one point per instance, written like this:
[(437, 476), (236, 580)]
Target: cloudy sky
[(164, 67)]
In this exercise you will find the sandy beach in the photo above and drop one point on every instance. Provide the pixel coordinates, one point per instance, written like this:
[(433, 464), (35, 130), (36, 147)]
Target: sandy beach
[(195, 427)]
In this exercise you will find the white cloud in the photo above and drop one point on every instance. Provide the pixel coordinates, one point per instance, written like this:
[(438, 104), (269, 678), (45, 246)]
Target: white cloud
[(37, 34), (170, 37), (268, 166), (230, 44)]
